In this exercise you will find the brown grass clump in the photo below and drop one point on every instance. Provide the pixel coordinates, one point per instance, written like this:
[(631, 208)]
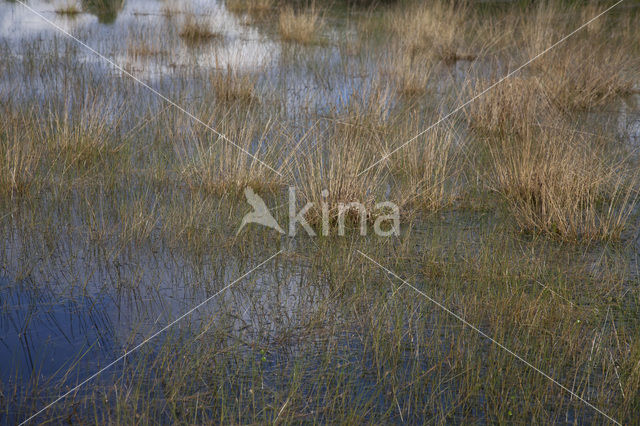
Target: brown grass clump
[(300, 27), (198, 30), (545, 24), (85, 142), (142, 48), (410, 73), (436, 29), (587, 70), (251, 7), (332, 164), (68, 9), (169, 10), (215, 165), (51, 147), (367, 112), (19, 157), (510, 107), (574, 79), (233, 87), (590, 11), (565, 185), (428, 169)]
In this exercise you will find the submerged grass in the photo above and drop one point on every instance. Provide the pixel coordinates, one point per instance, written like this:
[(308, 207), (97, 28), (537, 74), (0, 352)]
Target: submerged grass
[(107, 193)]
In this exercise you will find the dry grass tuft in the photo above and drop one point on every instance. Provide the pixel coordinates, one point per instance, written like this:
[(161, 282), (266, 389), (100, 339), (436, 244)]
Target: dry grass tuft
[(20, 157), (216, 166), (410, 73), (436, 29), (198, 30), (52, 147), (300, 27), (428, 170), (590, 11), (575, 80), (332, 164), (170, 9), (251, 7), (142, 48), (233, 87), (564, 185), (544, 24), (85, 142), (510, 107), (68, 9), (587, 70)]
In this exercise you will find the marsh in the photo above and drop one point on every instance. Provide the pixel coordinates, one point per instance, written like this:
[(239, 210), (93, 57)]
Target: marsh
[(506, 133)]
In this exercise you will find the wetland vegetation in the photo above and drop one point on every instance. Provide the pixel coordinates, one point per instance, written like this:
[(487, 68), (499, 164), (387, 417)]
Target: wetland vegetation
[(121, 194)]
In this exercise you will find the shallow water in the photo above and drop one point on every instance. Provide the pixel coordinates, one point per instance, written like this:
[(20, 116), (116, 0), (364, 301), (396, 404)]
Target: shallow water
[(77, 306), (42, 334)]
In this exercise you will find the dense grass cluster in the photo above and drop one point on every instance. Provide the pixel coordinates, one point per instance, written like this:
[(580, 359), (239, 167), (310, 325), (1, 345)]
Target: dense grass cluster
[(301, 27), (518, 212)]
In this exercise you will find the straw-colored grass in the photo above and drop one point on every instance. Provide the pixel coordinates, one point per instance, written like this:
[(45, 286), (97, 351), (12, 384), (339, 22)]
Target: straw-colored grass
[(300, 26), (436, 29), (197, 29), (584, 76), (20, 156), (217, 166), (142, 48), (509, 107), (545, 22), (85, 142), (231, 86), (565, 185), (68, 9), (428, 170), (411, 73), (109, 194), (53, 148), (251, 7), (587, 70), (332, 165)]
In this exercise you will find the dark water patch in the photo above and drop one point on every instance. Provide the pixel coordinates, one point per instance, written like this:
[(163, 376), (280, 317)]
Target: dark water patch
[(44, 334)]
